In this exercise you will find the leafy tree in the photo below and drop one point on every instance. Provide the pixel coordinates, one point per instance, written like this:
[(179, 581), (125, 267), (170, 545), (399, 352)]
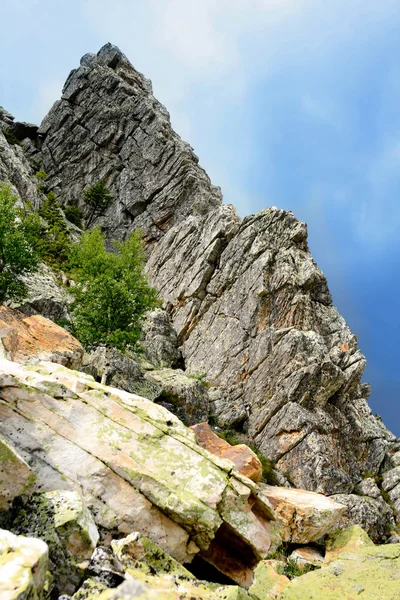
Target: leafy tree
[(18, 255), (97, 198), (111, 293)]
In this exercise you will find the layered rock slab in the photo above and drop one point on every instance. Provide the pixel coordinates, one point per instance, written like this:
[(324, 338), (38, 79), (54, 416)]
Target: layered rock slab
[(251, 308), (136, 466), (33, 338), (305, 516)]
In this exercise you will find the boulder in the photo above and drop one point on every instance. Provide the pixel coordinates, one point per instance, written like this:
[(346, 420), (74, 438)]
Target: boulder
[(65, 524), (244, 459), (16, 476), (23, 568), (268, 583), (30, 339), (137, 467), (391, 483), (372, 514), (370, 573), (183, 395), (305, 516), (89, 590), (307, 557), (349, 540)]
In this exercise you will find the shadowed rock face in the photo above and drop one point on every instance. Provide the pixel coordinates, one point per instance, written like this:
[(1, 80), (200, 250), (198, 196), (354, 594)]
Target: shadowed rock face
[(251, 308)]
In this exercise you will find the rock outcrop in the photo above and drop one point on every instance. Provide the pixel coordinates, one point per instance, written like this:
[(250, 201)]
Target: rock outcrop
[(30, 339), (251, 308), (136, 466)]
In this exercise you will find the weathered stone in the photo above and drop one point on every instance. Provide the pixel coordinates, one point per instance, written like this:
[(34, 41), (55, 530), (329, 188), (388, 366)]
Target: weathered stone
[(372, 514), (244, 459), (371, 573), (89, 590), (267, 582), (30, 339), (184, 396), (305, 516), (349, 540), (45, 296), (307, 556), (65, 524), (283, 362), (138, 552), (113, 368), (136, 465), (16, 476), (231, 592), (23, 568), (160, 340), (103, 567), (368, 487)]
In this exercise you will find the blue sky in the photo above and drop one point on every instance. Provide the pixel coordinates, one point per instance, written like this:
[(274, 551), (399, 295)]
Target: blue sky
[(292, 103)]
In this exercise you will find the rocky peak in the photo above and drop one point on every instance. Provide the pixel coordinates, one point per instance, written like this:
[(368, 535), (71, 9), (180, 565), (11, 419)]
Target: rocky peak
[(251, 309)]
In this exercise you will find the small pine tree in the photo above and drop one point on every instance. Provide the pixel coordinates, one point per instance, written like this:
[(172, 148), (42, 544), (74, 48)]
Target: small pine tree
[(54, 242), (111, 293), (97, 198), (18, 254)]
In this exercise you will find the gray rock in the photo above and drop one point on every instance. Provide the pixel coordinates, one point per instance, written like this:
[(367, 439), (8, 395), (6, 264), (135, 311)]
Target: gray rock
[(373, 514), (160, 340), (184, 396), (368, 487), (251, 309)]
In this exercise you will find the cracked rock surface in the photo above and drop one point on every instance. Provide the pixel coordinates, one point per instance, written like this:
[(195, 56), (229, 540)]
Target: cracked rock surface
[(136, 466), (249, 308)]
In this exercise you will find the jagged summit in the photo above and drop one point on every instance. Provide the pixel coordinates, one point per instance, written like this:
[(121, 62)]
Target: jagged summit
[(251, 308)]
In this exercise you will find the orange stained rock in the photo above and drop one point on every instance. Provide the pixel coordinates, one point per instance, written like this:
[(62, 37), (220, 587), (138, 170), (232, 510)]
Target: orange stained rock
[(242, 456), (35, 337)]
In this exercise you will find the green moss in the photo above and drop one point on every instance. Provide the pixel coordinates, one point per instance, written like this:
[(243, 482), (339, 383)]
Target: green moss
[(6, 454)]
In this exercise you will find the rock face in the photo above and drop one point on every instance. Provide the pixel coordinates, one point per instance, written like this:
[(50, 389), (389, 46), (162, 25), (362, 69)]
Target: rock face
[(137, 467), (34, 338), (251, 308)]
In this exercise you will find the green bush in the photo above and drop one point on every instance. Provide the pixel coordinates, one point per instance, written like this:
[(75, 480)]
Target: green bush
[(97, 199), (111, 293), (41, 177), (11, 138), (18, 255)]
